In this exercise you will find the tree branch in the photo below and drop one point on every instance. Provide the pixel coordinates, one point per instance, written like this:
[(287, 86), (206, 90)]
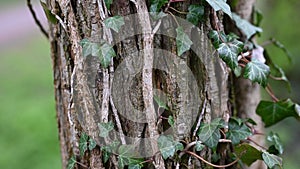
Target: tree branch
[(36, 20)]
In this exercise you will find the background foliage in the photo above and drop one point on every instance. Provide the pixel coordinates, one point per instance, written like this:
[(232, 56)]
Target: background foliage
[(27, 115)]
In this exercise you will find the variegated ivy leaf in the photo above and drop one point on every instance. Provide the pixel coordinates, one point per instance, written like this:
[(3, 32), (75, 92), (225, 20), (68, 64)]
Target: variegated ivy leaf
[(229, 51), (195, 14), (245, 26), (258, 72), (220, 5), (115, 22), (102, 50), (271, 160), (183, 41), (105, 128)]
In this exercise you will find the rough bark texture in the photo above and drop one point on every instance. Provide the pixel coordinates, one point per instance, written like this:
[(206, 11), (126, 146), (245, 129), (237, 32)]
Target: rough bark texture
[(83, 88)]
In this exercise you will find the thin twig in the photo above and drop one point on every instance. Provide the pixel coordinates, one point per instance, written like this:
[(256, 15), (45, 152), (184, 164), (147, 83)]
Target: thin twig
[(270, 92), (181, 12), (213, 165), (249, 139), (36, 20)]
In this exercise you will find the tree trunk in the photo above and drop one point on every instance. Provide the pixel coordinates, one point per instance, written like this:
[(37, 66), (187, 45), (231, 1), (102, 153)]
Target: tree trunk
[(194, 86)]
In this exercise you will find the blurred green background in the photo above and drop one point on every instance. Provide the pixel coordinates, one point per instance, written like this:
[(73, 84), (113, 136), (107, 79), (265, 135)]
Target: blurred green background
[(28, 130)]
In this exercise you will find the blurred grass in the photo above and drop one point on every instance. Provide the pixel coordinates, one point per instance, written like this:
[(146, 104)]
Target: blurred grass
[(28, 128)]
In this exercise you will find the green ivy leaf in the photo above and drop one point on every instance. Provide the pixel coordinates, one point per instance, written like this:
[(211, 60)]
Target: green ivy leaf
[(105, 128), (168, 146), (271, 160), (108, 3), (228, 54), (115, 22), (220, 5), (246, 27), (71, 162), (258, 72), (209, 133), (50, 16), (183, 41), (274, 139), (237, 131), (160, 103), (107, 52), (171, 121), (83, 143), (258, 17), (214, 36), (126, 156), (106, 152), (273, 112), (247, 153), (157, 4), (92, 144), (195, 14), (199, 146)]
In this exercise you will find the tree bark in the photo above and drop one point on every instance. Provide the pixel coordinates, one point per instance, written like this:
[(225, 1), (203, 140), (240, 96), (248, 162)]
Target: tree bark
[(86, 93)]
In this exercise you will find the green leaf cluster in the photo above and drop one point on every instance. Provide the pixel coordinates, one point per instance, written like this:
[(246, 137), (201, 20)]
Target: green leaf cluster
[(102, 50), (273, 112), (209, 133), (237, 131), (227, 46), (115, 22), (127, 156), (85, 143), (195, 14), (168, 146), (105, 128)]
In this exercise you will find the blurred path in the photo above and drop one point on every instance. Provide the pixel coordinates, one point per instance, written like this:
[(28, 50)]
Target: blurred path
[(17, 24)]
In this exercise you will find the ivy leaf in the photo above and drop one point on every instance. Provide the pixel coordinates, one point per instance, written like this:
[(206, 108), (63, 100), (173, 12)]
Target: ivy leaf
[(214, 36), (183, 42), (71, 162), (199, 146), (126, 156), (274, 139), (237, 131), (273, 112), (168, 146), (105, 128), (50, 16), (247, 153), (108, 3), (92, 144), (88, 47), (156, 5), (106, 152), (246, 27), (107, 52), (115, 22), (271, 160), (83, 143), (209, 133), (220, 5), (228, 55), (195, 14), (258, 17), (258, 72), (160, 103), (171, 121)]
